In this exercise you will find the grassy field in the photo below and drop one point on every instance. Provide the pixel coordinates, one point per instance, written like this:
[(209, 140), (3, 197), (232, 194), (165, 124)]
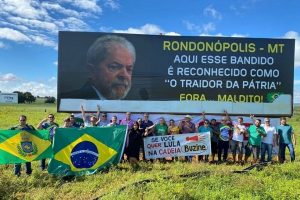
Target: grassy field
[(153, 181)]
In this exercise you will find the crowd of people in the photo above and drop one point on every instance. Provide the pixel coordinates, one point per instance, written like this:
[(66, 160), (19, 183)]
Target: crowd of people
[(243, 139)]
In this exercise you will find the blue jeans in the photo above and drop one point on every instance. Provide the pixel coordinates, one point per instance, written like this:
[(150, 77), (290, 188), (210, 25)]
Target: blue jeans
[(282, 151), (27, 167), (266, 148), (188, 158)]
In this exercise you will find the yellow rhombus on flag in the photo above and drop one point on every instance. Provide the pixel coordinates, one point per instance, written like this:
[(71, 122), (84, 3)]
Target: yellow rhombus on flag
[(26, 146), (102, 154)]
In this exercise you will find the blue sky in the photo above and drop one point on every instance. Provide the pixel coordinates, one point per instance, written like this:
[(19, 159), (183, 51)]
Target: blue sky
[(29, 29)]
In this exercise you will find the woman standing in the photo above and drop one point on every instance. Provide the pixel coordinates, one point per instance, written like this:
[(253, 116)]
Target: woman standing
[(173, 128), (135, 140)]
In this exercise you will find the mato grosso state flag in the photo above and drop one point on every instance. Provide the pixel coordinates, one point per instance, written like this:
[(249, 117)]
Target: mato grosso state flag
[(86, 151), (19, 146)]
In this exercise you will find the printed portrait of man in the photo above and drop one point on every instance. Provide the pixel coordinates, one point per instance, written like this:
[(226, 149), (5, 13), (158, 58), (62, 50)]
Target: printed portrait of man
[(110, 62)]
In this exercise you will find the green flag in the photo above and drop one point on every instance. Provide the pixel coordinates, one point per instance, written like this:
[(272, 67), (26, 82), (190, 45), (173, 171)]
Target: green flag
[(19, 146), (87, 150)]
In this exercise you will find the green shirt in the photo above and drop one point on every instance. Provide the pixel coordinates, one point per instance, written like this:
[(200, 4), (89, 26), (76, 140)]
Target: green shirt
[(161, 130), (254, 135), (285, 134)]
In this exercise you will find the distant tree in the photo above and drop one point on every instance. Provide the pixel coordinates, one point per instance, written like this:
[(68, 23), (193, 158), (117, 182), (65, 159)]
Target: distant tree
[(50, 99), (29, 98), (21, 97), (25, 97)]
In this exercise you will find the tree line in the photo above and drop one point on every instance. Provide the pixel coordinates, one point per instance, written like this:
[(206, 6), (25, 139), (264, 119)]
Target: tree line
[(27, 97)]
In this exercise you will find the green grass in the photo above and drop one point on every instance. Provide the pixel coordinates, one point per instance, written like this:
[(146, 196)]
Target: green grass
[(161, 181)]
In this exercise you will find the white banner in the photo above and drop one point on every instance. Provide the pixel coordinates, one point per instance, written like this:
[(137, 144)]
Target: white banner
[(177, 145)]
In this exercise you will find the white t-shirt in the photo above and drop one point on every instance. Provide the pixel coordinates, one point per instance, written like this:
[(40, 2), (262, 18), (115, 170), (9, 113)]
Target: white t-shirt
[(236, 136), (271, 131)]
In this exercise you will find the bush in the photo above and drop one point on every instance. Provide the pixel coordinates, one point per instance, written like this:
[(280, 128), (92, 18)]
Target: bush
[(50, 99)]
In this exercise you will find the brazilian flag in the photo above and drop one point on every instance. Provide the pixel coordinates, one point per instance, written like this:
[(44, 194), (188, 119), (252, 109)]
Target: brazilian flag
[(87, 150), (19, 146)]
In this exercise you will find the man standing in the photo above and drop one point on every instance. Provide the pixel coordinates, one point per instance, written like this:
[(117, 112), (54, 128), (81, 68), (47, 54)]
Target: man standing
[(223, 143), (286, 138), (269, 141), (186, 126), (237, 144), (91, 120), (114, 121), (214, 138), (75, 122), (202, 129), (146, 123), (127, 121), (103, 121), (48, 124), (256, 132), (25, 127)]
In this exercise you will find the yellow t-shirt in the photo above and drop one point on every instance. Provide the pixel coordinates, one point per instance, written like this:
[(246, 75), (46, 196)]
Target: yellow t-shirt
[(174, 130)]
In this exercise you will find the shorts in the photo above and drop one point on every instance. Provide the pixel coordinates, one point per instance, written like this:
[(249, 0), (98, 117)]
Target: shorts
[(237, 147)]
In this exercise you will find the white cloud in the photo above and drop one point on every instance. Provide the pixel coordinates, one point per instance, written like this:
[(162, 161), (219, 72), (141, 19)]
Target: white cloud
[(296, 96), (52, 79), (146, 29), (172, 33), (43, 40), (113, 4), (54, 7), (191, 26), (209, 27), (8, 78), (216, 35), (14, 35), (55, 63), (240, 7), (238, 35), (201, 29), (75, 24), (296, 82), (23, 8), (37, 88), (222, 35), (10, 82), (89, 5), (296, 36), (36, 24), (210, 11)]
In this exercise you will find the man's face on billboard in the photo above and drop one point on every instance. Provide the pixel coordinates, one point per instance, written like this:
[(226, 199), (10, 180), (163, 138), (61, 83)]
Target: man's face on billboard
[(112, 76)]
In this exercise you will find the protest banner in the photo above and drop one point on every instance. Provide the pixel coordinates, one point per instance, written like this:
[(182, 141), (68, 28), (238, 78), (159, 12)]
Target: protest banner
[(175, 74), (177, 145)]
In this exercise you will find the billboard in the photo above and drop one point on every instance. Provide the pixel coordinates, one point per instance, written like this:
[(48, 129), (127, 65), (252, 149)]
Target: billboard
[(8, 98), (175, 74)]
